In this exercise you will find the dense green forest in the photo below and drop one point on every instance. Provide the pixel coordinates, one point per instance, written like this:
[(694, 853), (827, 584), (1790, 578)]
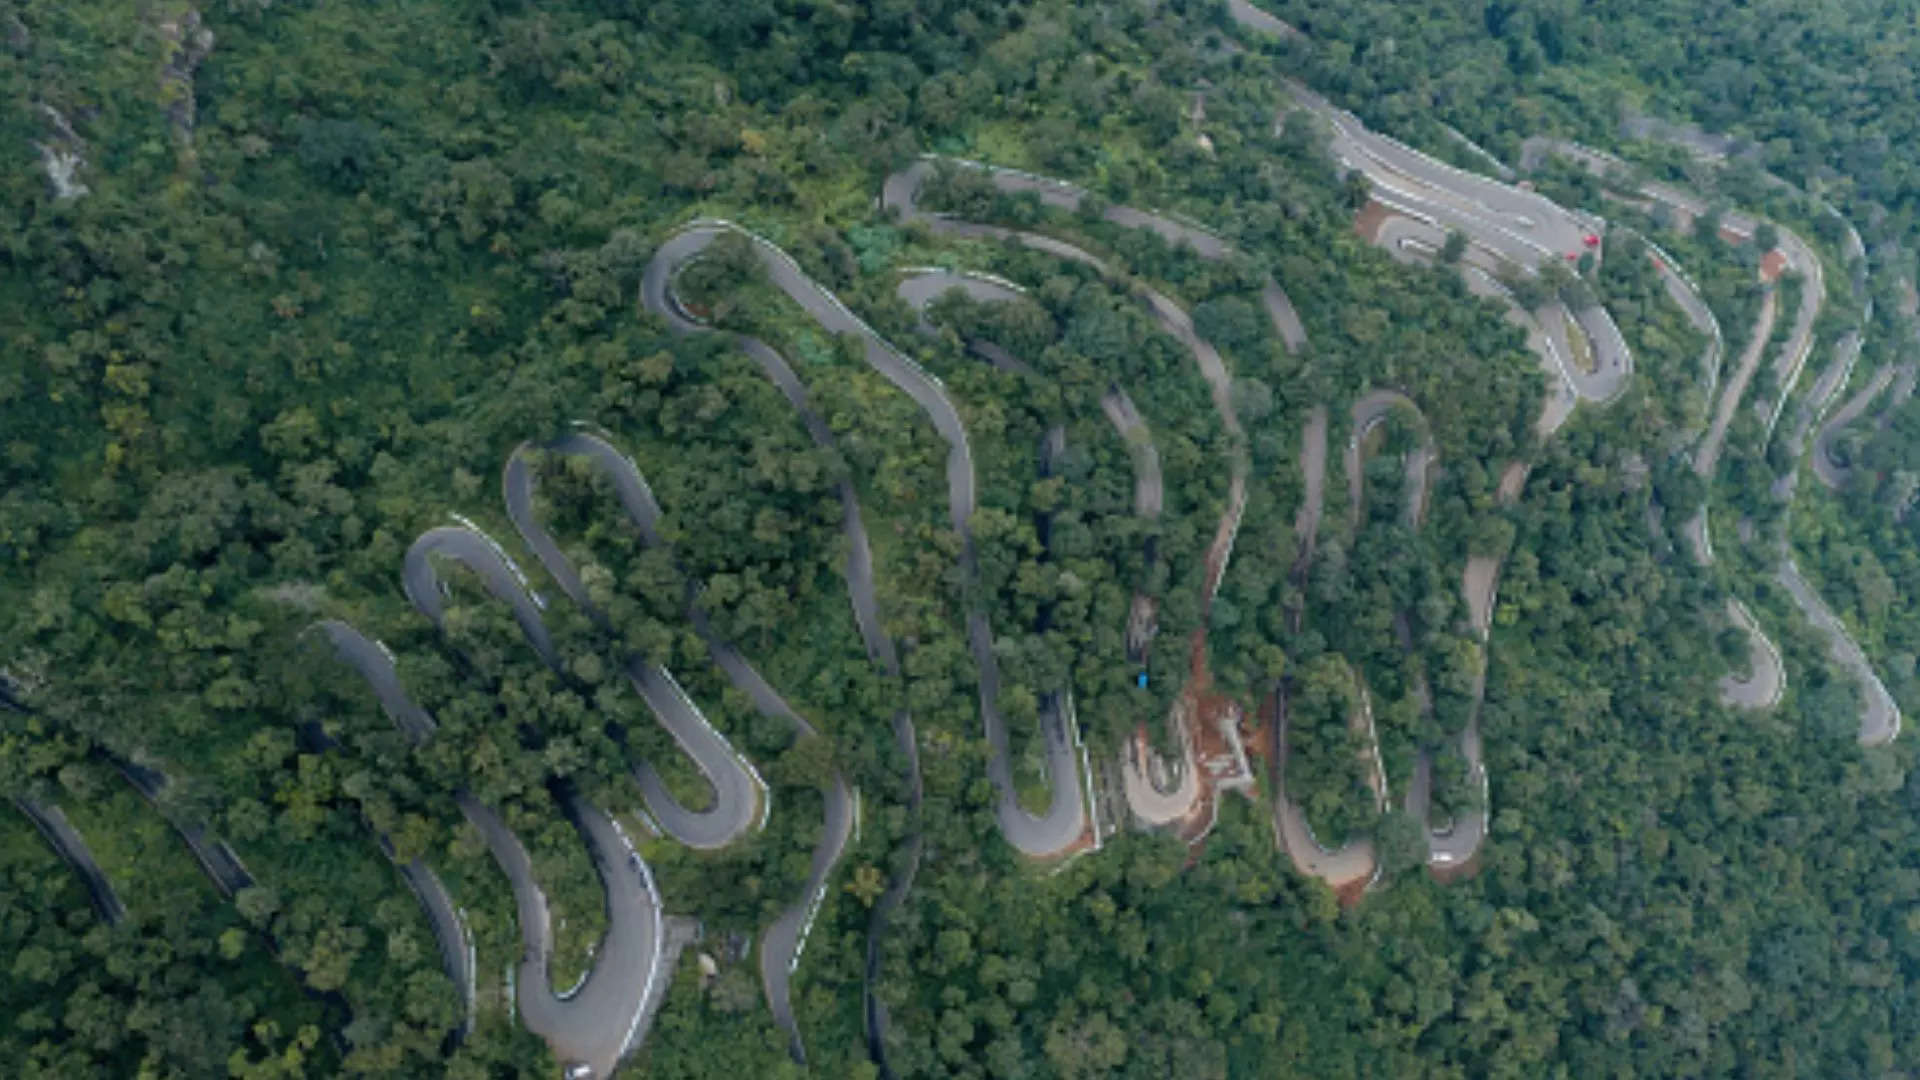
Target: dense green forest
[(287, 285)]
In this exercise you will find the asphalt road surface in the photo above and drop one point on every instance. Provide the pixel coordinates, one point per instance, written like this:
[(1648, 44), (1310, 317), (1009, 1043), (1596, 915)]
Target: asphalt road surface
[(601, 1020)]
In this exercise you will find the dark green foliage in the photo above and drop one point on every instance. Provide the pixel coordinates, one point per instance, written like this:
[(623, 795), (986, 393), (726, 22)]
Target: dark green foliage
[(260, 356)]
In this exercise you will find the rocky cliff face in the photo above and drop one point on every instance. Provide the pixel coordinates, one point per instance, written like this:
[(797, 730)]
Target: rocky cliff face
[(188, 44)]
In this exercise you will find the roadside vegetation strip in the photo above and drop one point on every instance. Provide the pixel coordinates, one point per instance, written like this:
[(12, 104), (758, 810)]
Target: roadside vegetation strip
[(1799, 257)]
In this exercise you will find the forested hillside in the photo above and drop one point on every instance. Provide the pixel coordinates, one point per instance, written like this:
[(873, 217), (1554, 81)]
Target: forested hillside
[(958, 539)]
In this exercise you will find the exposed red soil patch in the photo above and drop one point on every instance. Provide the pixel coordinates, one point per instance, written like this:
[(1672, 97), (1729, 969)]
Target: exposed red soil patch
[(1772, 264), (1219, 759), (1212, 719), (1089, 840), (1367, 223), (1259, 738)]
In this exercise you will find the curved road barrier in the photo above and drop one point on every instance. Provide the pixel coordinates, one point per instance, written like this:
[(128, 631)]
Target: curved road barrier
[(67, 843)]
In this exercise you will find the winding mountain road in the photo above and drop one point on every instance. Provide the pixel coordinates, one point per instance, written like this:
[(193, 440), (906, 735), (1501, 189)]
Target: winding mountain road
[(1418, 240), (374, 664), (1707, 458), (1880, 717), (1686, 294), (602, 1019), (1766, 680), (1066, 819), (1507, 228), (217, 859), (739, 794), (1153, 795), (786, 938), (1825, 466), (901, 192)]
